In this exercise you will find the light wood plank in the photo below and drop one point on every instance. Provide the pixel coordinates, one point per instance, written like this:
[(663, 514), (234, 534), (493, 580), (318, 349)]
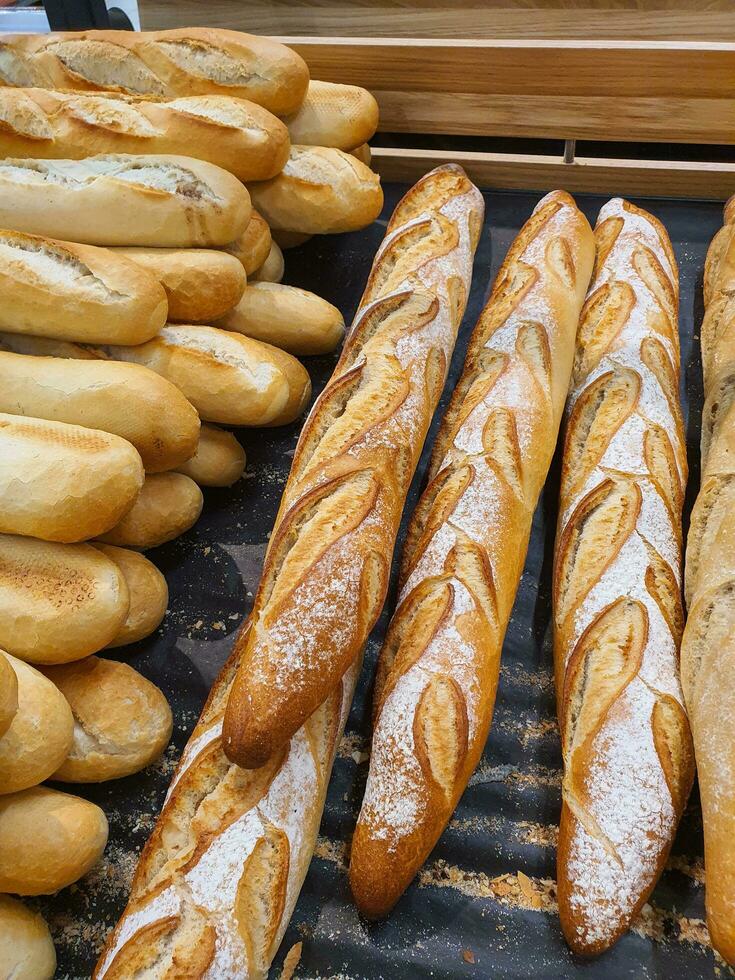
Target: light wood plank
[(628, 69), (510, 171)]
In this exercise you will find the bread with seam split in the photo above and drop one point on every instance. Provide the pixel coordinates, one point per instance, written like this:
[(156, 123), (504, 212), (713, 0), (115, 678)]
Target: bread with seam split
[(125, 399), (293, 319), (8, 694), (320, 191), (40, 735), (201, 284), (181, 62), (68, 833), (626, 743), (343, 116), (218, 880), (326, 570), (76, 483), (122, 722), (228, 378), (168, 505), (58, 602), (152, 200), (253, 246), (26, 948), (236, 135), (219, 460), (75, 292), (465, 550), (147, 591), (707, 648)]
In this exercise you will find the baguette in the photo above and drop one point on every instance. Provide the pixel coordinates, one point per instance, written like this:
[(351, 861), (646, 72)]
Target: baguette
[(236, 135), (58, 602), (326, 570), (125, 399), (293, 319), (158, 201), (273, 268), (122, 722), (39, 737), (465, 550), (219, 460), (626, 745), (20, 343), (76, 292), (363, 154), (251, 249), (320, 191), (212, 896), (228, 378), (148, 593), (167, 506), (290, 239), (48, 840), (63, 482), (26, 949), (182, 62), (344, 116), (201, 284), (8, 693), (707, 649)]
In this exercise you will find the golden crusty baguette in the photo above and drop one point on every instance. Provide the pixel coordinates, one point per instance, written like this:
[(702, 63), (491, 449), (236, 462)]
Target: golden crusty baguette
[(66, 834), (290, 239), (58, 602), (147, 590), (63, 482), (167, 506), (626, 744), (26, 949), (219, 460), (65, 291), (40, 735), (465, 550), (8, 693), (239, 136), (273, 268), (251, 249), (320, 191), (117, 199), (326, 570), (344, 116), (250, 864), (363, 154), (201, 284), (293, 319), (126, 399), (228, 378), (181, 62), (122, 722), (707, 648)]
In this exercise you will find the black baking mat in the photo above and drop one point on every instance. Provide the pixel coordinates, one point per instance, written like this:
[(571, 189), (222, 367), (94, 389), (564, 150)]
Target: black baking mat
[(461, 918)]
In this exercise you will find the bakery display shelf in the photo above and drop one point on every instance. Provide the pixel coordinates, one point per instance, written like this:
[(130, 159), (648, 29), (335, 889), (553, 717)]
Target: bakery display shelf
[(484, 904)]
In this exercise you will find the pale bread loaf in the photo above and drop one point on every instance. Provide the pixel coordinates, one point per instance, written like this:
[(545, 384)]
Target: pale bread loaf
[(26, 949), (344, 116), (147, 590), (8, 694), (167, 506), (251, 249), (273, 268), (219, 460)]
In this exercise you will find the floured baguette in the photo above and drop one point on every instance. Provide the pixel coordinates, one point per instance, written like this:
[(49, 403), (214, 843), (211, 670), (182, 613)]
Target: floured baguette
[(344, 116), (319, 192), (181, 62), (236, 135), (212, 895), (58, 602), (66, 291), (168, 505), (126, 399), (114, 199), (326, 571), (251, 249), (201, 284), (219, 460), (464, 553), (628, 761), (707, 649), (147, 590), (64, 482)]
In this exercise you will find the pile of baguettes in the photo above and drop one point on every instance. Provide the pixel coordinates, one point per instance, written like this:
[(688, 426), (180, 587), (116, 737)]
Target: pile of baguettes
[(139, 303), (590, 320)]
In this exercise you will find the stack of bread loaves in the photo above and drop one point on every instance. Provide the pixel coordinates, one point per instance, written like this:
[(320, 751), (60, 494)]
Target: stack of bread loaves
[(127, 327)]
